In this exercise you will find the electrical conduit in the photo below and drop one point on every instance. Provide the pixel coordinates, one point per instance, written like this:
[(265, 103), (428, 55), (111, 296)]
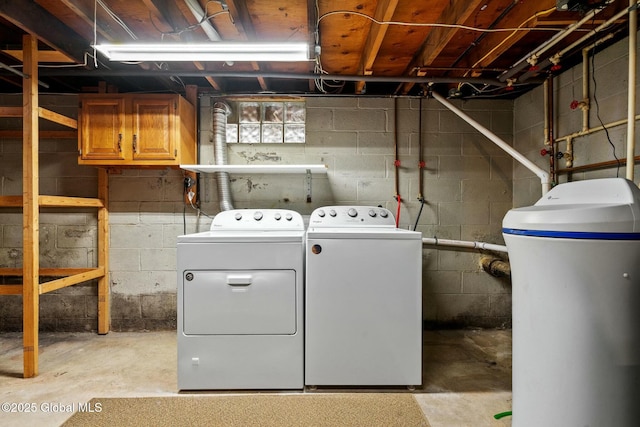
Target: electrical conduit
[(540, 173)]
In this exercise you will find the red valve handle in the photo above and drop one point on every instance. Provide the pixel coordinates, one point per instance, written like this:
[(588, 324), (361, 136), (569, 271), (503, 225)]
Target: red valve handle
[(544, 152)]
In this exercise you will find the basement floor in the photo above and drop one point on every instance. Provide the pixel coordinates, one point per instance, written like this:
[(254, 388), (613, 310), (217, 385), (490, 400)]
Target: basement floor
[(466, 374)]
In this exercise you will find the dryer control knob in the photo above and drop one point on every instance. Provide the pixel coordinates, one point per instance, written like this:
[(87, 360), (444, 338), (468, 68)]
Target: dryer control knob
[(238, 216), (332, 213), (257, 216), (277, 216), (372, 213), (352, 213), (321, 213), (384, 214), (288, 217)]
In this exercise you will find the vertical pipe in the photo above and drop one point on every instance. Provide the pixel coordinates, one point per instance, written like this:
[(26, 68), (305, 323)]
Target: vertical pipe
[(631, 100), (545, 106), (585, 89), (550, 135)]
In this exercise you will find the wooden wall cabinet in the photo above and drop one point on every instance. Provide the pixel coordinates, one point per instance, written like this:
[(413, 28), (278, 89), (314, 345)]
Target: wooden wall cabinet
[(132, 130)]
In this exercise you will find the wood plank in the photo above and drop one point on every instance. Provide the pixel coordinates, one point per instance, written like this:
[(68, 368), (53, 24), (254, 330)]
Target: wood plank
[(104, 296), (10, 289), (495, 44), (44, 134), (71, 280), (46, 272), (65, 201), (11, 112), (30, 209), (44, 56), (34, 19), (57, 118), (438, 39), (11, 201), (384, 12), (54, 202)]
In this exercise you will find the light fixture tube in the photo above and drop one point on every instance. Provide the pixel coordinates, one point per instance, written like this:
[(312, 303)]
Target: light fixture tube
[(215, 51)]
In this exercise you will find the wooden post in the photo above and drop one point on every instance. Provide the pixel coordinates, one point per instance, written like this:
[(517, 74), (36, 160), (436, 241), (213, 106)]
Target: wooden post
[(104, 303), (30, 208)]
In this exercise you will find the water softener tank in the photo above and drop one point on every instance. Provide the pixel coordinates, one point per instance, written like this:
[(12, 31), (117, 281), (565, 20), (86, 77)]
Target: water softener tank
[(575, 262)]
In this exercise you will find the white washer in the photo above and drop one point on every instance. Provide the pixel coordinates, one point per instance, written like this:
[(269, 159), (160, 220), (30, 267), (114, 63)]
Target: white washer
[(240, 302), (363, 299)]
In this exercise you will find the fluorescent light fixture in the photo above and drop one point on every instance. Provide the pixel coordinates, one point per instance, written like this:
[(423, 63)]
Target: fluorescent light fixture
[(214, 51)]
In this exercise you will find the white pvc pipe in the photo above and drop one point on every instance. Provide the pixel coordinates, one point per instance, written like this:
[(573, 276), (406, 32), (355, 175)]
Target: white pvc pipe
[(631, 100), (544, 176), (464, 244)]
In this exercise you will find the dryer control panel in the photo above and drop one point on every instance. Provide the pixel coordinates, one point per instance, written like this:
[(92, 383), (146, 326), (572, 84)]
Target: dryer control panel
[(352, 216), (258, 219)]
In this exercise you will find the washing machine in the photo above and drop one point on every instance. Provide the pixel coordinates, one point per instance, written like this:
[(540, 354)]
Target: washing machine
[(240, 302), (363, 299)]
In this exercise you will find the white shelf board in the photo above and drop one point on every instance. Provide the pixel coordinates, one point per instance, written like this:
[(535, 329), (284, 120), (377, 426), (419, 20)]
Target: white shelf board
[(258, 169)]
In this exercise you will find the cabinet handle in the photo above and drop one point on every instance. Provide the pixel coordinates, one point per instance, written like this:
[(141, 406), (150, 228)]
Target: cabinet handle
[(135, 143), (120, 142)]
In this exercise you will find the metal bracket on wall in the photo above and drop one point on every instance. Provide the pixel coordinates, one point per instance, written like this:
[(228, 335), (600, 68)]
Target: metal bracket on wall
[(308, 185)]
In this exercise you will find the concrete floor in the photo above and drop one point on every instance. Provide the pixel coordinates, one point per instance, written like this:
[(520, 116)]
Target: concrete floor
[(466, 374)]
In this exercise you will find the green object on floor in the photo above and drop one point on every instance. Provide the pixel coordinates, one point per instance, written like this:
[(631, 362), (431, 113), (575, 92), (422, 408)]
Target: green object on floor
[(502, 415)]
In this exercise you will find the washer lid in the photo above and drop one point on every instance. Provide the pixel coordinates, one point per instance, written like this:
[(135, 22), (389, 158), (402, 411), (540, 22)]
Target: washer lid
[(600, 208)]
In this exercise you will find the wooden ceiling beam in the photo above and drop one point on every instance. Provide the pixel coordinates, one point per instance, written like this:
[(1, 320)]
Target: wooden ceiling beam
[(457, 13), (34, 19), (169, 13), (384, 12), (242, 21), (84, 11), (495, 45)]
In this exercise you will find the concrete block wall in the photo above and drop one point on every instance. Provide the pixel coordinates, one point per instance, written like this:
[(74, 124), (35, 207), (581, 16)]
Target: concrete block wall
[(467, 190), (467, 185), (608, 80)]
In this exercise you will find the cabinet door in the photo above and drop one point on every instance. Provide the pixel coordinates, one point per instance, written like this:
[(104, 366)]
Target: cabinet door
[(102, 128), (154, 128)]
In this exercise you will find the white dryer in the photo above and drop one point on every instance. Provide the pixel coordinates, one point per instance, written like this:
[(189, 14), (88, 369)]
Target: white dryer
[(363, 299), (240, 302)]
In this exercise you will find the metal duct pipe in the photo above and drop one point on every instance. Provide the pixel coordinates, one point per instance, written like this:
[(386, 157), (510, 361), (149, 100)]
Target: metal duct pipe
[(545, 179), (220, 113)]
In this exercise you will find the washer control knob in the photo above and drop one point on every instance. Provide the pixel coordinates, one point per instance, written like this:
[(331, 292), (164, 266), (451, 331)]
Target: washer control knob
[(288, 217), (352, 213), (277, 216), (332, 213), (321, 213), (372, 213), (238, 216), (257, 215), (384, 214)]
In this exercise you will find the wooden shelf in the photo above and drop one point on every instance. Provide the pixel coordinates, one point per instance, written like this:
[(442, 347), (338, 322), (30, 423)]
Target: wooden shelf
[(30, 203)]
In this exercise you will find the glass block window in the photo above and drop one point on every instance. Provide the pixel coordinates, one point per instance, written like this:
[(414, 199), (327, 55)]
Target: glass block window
[(267, 122)]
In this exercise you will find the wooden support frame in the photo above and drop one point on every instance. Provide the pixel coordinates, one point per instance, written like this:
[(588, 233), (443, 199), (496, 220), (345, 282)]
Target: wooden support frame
[(31, 201)]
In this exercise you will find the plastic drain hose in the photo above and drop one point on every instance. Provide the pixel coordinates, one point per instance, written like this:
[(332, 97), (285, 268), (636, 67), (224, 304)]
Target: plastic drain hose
[(502, 415)]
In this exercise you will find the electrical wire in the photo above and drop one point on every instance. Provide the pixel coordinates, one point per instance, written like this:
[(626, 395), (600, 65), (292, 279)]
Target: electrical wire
[(534, 16), (435, 24), (117, 19)]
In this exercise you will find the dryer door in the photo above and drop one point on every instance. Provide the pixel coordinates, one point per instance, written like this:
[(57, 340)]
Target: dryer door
[(239, 302)]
